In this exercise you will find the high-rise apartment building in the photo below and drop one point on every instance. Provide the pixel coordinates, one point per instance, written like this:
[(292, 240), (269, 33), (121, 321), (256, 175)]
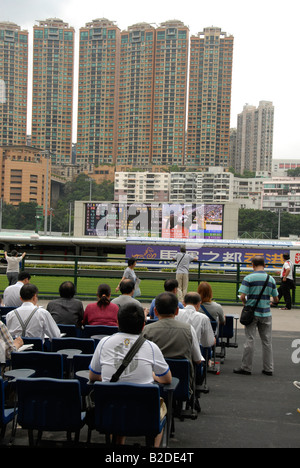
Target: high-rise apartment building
[(135, 117), (13, 84), (208, 132), (98, 92), (170, 93), (254, 144), (52, 100)]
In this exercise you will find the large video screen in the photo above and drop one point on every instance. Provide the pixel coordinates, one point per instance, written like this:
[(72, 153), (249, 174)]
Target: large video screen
[(170, 221)]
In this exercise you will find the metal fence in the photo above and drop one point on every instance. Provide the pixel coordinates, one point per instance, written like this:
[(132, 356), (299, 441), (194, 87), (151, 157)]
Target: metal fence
[(49, 271)]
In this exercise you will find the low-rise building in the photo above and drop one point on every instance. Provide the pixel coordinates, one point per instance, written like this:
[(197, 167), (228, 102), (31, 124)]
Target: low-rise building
[(281, 193), (24, 174)]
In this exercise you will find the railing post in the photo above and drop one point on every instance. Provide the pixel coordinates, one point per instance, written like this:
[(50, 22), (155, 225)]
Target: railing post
[(294, 288), (238, 280), (199, 272), (75, 271)]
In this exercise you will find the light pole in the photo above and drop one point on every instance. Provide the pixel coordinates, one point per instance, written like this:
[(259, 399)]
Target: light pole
[(46, 154), (91, 183), (279, 222)]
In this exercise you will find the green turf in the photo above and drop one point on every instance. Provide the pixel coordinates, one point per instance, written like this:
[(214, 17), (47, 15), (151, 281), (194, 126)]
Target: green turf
[(49, 285), (87, 287)]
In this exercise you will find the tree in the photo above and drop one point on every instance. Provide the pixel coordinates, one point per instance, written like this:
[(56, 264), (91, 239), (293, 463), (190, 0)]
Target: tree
[(22, 217), (267, 221)]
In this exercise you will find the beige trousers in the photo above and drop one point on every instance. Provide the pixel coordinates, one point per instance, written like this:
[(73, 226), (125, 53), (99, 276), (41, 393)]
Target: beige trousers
[(183, 282)]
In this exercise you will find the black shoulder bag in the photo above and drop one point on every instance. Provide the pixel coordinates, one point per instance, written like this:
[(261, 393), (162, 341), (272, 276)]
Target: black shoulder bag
[(128, 358), (90, 403), (248, 311)]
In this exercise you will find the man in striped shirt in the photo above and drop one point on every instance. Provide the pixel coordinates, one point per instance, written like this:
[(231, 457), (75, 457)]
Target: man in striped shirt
[(250, 291)]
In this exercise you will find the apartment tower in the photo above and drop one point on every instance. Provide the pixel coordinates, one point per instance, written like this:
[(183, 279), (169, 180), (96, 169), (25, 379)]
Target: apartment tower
[(254, 140), (170, 93), (52, 99), (135, 115), (208, 132), (13, 84), (98, 92)]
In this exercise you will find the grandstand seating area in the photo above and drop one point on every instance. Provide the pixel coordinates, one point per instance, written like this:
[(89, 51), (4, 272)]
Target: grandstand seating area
[(43, 402)]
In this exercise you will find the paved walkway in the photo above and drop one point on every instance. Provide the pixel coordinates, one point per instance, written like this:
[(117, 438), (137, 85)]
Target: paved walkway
[(241, 411), (251, 411)]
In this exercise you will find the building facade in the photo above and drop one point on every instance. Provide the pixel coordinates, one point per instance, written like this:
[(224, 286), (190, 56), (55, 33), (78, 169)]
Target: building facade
[(135, 123), (142, 187), (98, 92), (52, 99), (281, 194), (208, 131), (170, 93), (254, 145), (24, 175), (13, 84)]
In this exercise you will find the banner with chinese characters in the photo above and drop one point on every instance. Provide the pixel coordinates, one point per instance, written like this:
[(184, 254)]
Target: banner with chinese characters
[(163, 255)]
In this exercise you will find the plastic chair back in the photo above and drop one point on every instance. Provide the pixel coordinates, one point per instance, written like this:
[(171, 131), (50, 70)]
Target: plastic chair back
[(180, 368), (49, 404), (127, 409), (45, 364), (92, 330), (87, 346), (5, 309), (70, 330), (37, 343), (6, 415)]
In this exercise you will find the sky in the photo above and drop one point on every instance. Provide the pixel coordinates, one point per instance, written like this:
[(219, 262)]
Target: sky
[(266, 46)]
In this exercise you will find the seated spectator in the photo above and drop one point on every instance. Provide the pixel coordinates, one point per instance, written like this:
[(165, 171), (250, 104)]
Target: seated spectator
[(201, 323), (177, 340), (148, 364), (170, 285), (7, 345), (127, 290), (11, 295), (30, 319), (126, 297), (213, 308), (102, 312), (129, 273), (67, 310)]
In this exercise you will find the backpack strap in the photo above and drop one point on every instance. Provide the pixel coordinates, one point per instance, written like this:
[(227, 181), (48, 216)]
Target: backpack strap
[(25, 324)]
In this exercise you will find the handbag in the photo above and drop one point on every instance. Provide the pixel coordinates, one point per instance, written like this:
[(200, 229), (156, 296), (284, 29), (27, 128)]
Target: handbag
[(247, 315)]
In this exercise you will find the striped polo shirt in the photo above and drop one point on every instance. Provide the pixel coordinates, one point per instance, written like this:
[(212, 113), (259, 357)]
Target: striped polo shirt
[(252, 286)]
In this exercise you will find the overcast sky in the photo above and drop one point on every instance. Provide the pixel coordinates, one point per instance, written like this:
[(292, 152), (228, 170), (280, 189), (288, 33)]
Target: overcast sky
[(266, 45)]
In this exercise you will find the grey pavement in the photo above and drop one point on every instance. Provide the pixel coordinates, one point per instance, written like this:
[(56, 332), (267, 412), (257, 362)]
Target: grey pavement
[(240, 411)]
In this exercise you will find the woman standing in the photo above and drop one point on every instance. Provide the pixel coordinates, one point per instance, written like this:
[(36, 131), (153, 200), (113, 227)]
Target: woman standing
[(129, 273)]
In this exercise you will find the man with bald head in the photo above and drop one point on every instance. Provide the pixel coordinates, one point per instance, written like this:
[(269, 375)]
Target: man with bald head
[(201, 323)]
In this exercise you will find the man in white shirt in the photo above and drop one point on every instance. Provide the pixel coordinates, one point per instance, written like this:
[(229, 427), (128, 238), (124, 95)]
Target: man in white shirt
[(147, 365), (30, 319), (182, 271), (201, 323), (111, 351), (287, 282), (11, 295)]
